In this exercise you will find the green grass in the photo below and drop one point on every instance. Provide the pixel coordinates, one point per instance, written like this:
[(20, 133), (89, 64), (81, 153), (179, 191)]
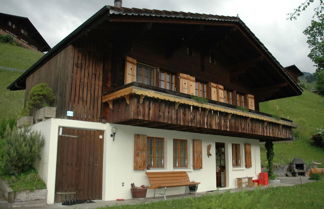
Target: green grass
[(25, 181), (296, 197), (307, 111), (11, 102)]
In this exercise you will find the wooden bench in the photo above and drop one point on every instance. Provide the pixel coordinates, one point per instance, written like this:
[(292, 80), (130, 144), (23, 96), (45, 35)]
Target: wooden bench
[(168, 179)]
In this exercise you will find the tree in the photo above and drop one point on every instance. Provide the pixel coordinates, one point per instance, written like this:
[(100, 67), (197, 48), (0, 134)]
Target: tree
[(270, 155), (314, 32), (320, 82)]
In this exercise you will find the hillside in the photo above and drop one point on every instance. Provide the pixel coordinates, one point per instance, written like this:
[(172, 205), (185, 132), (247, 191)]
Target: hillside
[(11, 102), (307, 111)]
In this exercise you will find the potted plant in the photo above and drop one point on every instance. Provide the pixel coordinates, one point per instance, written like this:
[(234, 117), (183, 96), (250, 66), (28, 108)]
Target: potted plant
[(138, 192), (39, 104)]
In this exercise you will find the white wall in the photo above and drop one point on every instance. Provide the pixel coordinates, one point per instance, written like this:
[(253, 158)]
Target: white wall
[(118, 173), (119, 159)]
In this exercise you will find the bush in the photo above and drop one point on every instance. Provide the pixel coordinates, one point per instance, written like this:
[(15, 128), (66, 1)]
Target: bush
[(20, 148), (7, 39), (315, 176), (41, 95), (318, 138), (6, 123)]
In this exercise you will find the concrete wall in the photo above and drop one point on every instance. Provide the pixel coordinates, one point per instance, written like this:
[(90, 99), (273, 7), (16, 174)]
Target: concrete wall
[(118, 173)]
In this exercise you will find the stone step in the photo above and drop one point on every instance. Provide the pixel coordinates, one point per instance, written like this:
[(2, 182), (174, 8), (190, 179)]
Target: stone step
[(29, 204)]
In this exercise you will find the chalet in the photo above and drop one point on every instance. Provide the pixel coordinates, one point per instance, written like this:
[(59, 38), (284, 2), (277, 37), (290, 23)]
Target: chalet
[(141, 91), (23, 32)]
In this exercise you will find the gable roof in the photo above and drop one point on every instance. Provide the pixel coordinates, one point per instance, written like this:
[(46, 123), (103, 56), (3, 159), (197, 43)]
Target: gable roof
[(33, 37), (135, 14)]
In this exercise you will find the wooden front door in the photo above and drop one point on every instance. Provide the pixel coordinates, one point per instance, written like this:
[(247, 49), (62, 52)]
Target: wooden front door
[(79, 164), (220, 165)]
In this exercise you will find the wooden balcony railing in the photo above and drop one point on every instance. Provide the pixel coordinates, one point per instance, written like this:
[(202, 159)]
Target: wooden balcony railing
[(150, 107)]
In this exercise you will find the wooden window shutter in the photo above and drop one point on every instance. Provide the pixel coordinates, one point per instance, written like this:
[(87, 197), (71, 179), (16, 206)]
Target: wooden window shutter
[(130, 70), (197, 154), (212, 91), (186, 84), (250, 102), (248, 159), (220, 93), (140, 152)]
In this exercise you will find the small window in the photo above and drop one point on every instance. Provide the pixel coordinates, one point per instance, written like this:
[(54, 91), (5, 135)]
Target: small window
[(201, 89), (9, 23), (167, 80), (155, 152), (180, 153), (236, 155), (240, 100), (212, 58), (189, 51), (145, 74)]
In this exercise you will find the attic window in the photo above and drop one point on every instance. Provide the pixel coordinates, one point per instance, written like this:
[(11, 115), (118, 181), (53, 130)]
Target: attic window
[(189, 51), (9, 23), (212, 58)]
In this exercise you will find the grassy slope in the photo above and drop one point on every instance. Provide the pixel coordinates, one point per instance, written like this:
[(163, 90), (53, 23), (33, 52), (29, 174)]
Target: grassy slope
[(296, 197), (14, 57), (307, 111)]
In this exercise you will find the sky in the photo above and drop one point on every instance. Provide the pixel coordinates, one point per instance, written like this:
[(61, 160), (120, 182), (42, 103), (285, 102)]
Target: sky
[(55, 19)]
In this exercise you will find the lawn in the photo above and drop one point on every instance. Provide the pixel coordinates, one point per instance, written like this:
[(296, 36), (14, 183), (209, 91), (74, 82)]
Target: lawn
[(307, 111), (296, 197), (11, 102)]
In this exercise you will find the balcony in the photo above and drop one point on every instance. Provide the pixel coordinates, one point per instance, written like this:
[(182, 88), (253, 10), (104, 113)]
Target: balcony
[(141, 105)]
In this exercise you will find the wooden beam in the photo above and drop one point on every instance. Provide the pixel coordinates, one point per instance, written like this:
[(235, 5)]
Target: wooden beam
[(269, 89)]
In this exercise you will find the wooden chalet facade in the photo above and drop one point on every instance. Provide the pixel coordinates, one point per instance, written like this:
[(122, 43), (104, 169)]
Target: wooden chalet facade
[(159, 76), (23, 32)]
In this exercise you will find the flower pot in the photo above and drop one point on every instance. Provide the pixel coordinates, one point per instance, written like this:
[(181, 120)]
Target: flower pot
[(24, 121), (45, 113), (138, 192)]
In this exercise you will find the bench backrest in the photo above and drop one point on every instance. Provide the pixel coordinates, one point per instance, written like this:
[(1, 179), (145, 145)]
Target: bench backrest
[(171, 177)]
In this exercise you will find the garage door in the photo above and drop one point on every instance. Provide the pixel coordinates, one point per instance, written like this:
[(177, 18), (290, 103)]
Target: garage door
[(79, 164)]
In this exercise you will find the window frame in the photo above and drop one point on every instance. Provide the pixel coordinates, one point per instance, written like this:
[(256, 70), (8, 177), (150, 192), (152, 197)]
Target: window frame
[(154, 164), (162, 83), (237, 163), (176, 163), (200, 89), (142, 76)]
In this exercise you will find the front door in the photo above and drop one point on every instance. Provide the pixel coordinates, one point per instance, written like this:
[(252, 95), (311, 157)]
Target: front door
[(79, 164), (220, 165)]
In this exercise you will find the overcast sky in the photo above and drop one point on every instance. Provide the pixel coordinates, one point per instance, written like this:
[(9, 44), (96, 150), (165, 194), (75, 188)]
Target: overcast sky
[(55, 19)]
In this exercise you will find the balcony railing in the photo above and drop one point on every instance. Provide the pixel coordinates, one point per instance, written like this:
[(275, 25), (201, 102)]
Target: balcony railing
[(141, 105)]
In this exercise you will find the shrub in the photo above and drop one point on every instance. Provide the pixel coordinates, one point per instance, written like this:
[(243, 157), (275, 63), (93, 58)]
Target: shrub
[(315, 176), (41, 95), (19, 150), (6, 123), (318, 138), (7, 39)]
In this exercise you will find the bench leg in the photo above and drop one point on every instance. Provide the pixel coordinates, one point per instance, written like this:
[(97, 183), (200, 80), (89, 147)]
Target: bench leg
[(165, 188)]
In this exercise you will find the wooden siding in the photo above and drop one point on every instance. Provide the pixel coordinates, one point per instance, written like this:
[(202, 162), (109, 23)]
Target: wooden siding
[(86, 83), (57, 74), (153, 112), (75, 75)]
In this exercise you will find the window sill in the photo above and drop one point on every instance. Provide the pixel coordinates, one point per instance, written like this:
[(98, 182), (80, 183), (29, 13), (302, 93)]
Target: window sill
[(238, 169)]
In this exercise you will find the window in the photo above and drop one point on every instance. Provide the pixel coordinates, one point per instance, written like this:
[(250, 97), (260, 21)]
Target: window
[(167, 80), (201, 89), (155, 152), (180, 153), (240, 100), (229, 97), (148, 152), (236, 155), (145, 74)]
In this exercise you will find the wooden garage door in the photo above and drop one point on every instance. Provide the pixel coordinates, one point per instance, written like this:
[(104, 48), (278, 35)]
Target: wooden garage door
[(79, 164)]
